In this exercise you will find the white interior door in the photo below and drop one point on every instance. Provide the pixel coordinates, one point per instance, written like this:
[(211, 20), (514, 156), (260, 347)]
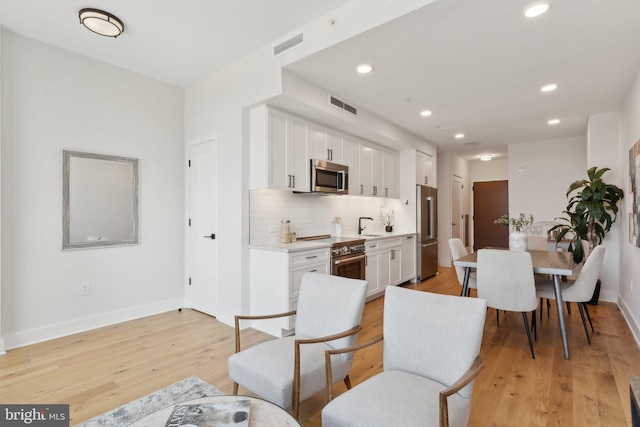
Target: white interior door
[(457, 230), (203, 217)]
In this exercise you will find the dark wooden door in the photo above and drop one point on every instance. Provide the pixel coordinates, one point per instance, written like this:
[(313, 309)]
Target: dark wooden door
[(490, 201)]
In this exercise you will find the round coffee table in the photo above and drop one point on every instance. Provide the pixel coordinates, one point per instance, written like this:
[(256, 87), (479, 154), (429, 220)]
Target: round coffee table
[(262, 413)]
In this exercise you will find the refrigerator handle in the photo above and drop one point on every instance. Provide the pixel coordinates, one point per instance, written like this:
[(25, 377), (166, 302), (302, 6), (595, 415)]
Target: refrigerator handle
[(430, 231)]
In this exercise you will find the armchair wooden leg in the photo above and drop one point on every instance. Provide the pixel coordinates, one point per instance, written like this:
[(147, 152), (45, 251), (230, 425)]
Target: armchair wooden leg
[(235, 389), (347, 382)]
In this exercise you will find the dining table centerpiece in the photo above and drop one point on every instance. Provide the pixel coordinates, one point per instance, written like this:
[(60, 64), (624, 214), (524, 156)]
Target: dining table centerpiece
[(517, 237)]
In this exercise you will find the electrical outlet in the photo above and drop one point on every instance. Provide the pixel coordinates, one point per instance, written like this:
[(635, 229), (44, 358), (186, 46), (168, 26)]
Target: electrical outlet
[(85, 289)]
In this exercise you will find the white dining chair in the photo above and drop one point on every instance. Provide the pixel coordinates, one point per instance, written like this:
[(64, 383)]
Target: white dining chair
[(505, 280), (458, 250), (581, 290)]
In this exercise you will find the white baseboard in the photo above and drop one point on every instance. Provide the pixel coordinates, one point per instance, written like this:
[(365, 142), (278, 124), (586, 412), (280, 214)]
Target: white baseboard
[(23, 338), (2, 347), (634, 324)]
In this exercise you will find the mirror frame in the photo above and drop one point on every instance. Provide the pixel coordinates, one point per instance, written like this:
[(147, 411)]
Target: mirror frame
[(66, 207)]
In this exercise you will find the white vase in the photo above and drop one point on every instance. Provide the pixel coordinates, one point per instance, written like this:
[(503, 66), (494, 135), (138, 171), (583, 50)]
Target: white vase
[(517, 241)]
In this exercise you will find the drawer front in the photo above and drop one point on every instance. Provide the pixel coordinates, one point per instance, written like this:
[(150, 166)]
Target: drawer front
[(296, 277), (309, 257), (390, 243), (371, 246)]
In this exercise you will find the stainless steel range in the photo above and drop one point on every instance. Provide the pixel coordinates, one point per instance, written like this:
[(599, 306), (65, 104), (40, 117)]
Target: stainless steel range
[(348, 258), (347, 255)]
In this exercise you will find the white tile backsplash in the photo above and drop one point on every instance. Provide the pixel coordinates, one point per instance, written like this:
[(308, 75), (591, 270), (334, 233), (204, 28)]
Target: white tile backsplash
[(312, 214)]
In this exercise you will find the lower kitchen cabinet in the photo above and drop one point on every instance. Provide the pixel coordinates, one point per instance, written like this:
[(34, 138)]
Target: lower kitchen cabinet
[(275, 278), (384, 263), (408, 266)]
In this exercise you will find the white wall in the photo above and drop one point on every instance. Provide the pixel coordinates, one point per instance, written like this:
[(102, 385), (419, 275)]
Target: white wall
[(54, 100), (494, 170), (547, 169), (629, 289)]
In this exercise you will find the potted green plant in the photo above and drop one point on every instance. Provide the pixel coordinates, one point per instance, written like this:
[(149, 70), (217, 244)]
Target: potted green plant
[(518, 237), (590, 213)]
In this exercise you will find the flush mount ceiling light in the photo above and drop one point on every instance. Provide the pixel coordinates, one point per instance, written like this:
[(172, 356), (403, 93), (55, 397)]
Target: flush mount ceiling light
[(554, 121), (425, 113), (459, 135), (364, 68), (486, 157), (549, 88), (101, 22), (536, 9)]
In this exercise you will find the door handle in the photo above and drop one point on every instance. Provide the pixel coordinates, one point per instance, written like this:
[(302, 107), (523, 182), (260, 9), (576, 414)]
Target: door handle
[(212, 236)]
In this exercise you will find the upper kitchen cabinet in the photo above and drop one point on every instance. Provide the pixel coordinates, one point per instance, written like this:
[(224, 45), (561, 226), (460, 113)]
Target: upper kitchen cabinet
[(390, 173), (424, 169), (326, 145), (282, 139)]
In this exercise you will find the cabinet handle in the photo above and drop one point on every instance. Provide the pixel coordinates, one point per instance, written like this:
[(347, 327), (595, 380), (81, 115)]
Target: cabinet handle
[(426, 180), (366, 260), (361, 189), (409, 237), (313, 271), (311, 257), (392, 253), (294, 181), (386, 192), (289, 183), (375, 190)]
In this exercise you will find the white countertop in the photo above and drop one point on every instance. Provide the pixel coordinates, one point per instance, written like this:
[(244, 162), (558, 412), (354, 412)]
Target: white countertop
[(304, 245)]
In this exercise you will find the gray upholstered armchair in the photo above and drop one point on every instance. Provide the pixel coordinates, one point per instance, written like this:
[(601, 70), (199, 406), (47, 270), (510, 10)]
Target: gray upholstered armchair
[(288, 370), (430, 348)]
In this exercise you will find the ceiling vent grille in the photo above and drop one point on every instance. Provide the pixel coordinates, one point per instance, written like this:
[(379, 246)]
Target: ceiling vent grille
[(468, 143), (288, 44), (343, 105)]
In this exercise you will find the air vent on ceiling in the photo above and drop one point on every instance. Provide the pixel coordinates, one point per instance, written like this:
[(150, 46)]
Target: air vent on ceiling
[(288, 44), (445, 126), (468, 143), (343, 105)]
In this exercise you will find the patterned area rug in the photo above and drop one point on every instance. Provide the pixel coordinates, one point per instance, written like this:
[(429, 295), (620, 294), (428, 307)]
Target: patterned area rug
[(188, 389)]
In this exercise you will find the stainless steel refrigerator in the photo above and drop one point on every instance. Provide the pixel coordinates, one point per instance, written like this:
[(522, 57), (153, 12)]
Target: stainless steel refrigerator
[(427, 227)]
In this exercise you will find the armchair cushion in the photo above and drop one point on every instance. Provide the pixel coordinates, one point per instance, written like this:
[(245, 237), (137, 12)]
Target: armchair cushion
[(266, 369), (394, 398)]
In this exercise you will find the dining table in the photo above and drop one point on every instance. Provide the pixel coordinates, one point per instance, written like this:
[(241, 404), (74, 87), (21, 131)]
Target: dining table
[(556, 264)]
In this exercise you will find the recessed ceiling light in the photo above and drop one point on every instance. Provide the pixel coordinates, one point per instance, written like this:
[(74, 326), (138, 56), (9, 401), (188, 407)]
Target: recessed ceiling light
[(549, 88), (425, 113), (536, 9), (459, 135), (364, 68), (554, 121), (486, 157)]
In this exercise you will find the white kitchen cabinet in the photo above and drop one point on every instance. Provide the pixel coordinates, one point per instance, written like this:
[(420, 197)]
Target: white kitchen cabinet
[(389, 174), (390, 261), (326, 145), (289, 167), (370, 171), (408, 258), (424, 169), (352, 159), (275, 278)]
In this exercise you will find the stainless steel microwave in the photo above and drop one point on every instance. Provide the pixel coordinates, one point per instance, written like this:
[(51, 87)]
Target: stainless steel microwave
[(327, 177)]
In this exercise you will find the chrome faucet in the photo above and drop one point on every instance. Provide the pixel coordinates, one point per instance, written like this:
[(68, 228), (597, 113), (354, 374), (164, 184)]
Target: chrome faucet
[(360, 227)]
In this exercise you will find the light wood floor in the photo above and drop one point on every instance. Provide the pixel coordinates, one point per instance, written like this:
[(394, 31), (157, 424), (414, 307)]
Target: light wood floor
[(102, 369)]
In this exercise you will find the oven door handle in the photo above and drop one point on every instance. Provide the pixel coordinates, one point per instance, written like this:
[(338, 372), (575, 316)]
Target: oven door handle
[(349, 259)]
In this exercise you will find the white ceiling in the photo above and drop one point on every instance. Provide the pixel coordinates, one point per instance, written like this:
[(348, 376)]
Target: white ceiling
[(476, 64)]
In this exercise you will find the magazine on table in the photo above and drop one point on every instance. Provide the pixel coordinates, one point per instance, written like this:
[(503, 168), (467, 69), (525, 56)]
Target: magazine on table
[(233, 413)]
